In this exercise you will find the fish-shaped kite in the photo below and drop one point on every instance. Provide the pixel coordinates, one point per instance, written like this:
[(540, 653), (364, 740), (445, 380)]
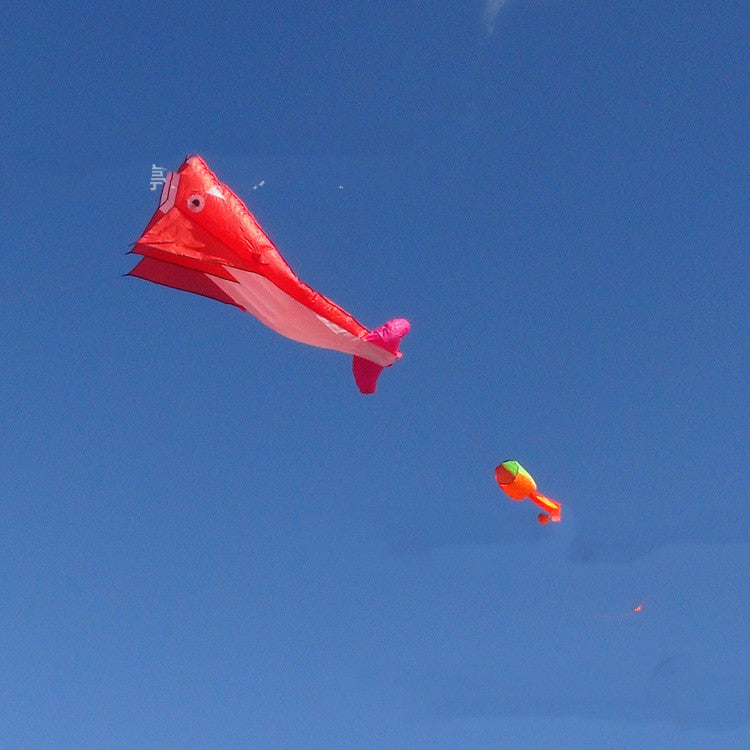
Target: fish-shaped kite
[(203, 239), (518, 484)]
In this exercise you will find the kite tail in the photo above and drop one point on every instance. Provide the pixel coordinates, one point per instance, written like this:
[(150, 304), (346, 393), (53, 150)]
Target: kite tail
[(550, 506), (388, 336)]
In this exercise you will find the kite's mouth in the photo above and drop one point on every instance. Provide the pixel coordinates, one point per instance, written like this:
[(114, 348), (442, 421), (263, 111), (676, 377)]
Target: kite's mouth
[(504, 476)]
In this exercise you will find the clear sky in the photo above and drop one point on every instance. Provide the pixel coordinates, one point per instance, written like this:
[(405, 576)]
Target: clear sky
[(210, 539)]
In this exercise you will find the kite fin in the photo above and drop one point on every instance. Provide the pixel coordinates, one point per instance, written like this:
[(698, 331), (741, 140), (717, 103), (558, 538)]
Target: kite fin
[(388, 336)]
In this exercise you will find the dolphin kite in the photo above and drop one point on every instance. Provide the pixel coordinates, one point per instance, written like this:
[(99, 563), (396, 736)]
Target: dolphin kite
[(203, 239)]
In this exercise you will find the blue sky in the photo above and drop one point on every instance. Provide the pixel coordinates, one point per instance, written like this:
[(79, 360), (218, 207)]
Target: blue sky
[(211, 539)]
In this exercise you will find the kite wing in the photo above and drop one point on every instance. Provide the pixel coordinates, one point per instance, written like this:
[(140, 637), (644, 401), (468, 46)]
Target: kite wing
[(203, 239), (518, 484)]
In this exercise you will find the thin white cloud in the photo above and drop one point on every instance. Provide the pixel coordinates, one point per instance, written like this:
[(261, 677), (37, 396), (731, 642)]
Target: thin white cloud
[(492, 10)]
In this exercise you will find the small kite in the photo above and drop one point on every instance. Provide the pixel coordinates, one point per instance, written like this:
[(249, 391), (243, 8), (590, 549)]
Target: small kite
[(203, 239), (518, 484)]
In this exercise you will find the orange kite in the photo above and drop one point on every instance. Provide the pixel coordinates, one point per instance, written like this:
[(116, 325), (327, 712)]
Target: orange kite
[(518, 484)]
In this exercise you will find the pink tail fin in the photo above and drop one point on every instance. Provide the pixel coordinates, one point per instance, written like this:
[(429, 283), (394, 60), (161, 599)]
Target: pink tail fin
[(388, 336)]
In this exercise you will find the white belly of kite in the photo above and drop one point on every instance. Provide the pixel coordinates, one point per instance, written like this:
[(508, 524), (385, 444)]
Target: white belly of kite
[(288, 317)]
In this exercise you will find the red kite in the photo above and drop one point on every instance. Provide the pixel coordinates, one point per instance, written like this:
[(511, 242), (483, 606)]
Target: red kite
[(203, 239)]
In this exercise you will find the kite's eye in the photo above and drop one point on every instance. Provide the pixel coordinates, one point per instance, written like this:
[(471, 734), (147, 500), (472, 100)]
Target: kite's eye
[(195, 203)]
